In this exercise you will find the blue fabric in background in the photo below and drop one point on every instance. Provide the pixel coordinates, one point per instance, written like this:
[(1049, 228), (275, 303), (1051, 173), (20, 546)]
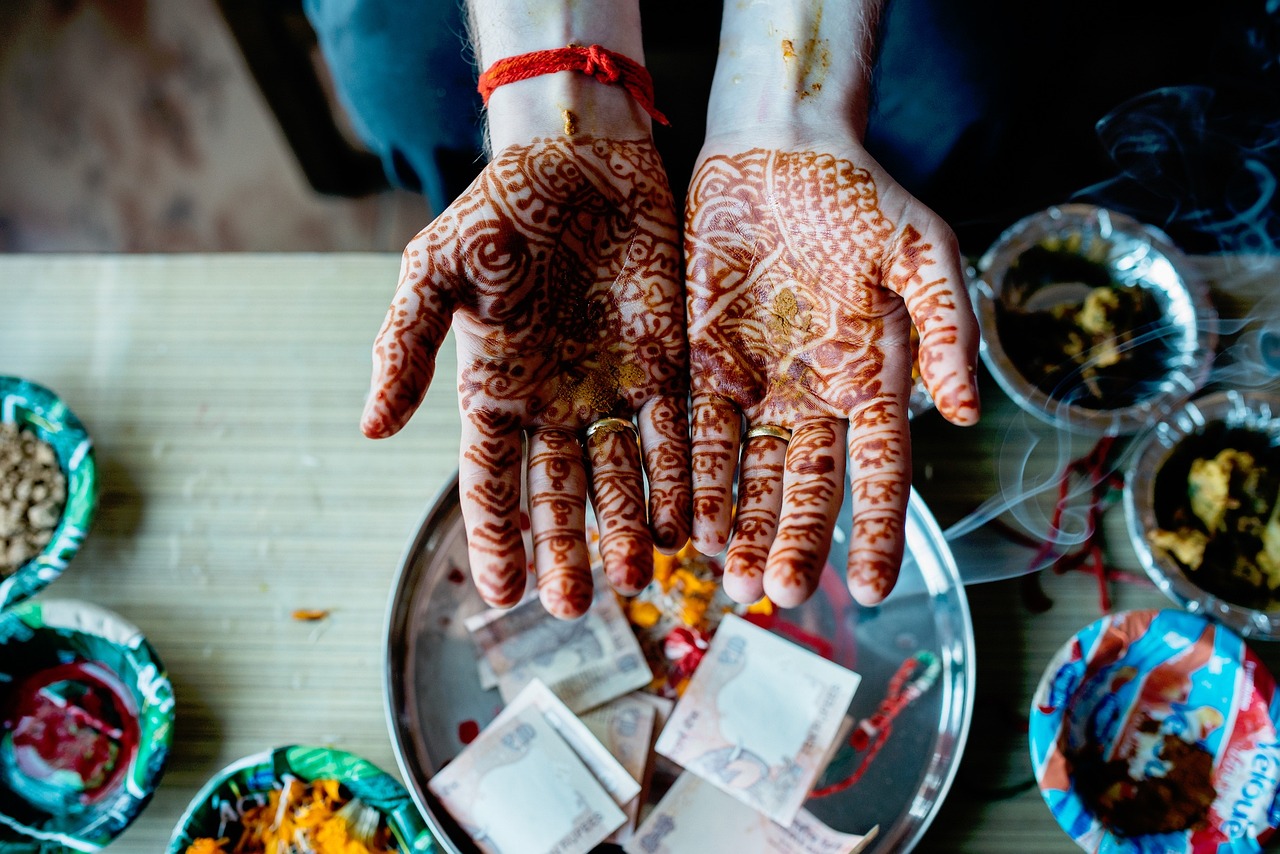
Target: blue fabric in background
[(403, 71), (985, 109)]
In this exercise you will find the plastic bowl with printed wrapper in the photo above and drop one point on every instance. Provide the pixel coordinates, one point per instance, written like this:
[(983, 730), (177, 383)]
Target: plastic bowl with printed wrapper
[(434, 697), (36, 409), (1155, 731), (216, 809), (88, 720)]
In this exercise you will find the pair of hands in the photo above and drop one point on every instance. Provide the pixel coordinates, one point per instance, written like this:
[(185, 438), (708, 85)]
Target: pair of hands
[(560, 272)]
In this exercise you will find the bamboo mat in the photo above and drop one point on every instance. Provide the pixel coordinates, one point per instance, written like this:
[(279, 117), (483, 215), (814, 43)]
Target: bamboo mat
[(223, 394)]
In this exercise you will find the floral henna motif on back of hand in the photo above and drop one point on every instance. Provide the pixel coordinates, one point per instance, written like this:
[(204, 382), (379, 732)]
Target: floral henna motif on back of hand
[(801, 293), (559, 270)]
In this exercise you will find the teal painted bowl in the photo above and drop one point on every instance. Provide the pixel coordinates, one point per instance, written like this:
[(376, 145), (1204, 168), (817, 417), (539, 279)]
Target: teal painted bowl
[(87, 720), (37, 409), (215, 810)]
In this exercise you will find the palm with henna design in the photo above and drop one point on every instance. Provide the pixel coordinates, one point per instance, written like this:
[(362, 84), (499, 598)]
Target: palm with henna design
[(805, 271), (559, 271)]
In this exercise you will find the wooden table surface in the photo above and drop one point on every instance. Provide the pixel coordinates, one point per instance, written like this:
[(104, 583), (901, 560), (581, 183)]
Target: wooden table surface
[(223, 394)]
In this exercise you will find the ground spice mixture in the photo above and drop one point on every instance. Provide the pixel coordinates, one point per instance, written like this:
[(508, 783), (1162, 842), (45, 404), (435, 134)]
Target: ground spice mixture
[(33, 492), (1103, 347), (1175, 799)]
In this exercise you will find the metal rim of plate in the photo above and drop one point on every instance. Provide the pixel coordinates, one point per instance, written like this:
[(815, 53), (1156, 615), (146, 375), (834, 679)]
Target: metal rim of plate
[(929, 577), (1258, 411), (1138, 253), (919, 401)]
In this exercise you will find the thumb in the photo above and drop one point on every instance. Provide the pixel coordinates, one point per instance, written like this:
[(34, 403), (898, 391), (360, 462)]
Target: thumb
[(404, 353), (925, 271)]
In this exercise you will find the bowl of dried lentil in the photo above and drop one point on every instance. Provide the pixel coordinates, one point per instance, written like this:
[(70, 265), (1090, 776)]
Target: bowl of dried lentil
[(48, 488)]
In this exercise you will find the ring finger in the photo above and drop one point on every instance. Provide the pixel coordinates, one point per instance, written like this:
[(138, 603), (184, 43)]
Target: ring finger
[(812, 491), (626, 546), (759, 504), (557, 516)]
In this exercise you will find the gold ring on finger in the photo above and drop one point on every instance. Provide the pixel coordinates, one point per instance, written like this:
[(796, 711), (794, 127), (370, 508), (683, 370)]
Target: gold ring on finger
[(770, 430), (611, 425)]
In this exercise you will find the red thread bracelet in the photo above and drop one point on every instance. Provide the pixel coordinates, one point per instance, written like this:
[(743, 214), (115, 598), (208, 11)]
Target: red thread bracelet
[(593, 60)]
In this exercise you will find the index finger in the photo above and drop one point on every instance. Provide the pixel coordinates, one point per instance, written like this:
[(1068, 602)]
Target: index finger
[(879, 447), (489, 474)]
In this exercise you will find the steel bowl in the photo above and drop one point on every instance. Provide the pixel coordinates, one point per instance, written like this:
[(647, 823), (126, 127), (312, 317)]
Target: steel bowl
[(1133, 254), (433, 693), (1254, 411)]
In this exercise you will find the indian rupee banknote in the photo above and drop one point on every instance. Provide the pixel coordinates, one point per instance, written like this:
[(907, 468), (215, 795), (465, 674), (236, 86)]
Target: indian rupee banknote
[(520, 789), (696, 816), (758, 718)]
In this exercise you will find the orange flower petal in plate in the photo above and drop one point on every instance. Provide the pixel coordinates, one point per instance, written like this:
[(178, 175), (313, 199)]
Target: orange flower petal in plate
[(643, 614), (310, 615)]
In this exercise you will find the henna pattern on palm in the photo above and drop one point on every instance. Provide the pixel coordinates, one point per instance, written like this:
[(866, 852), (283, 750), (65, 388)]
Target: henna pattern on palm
[(559, 271), (801, 294)]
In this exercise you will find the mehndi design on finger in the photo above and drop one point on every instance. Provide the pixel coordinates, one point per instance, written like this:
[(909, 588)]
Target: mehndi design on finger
[(756, 524), (945, 365), (664, 434), (714, 444), (557, 511), (813, 486), (626, 546)]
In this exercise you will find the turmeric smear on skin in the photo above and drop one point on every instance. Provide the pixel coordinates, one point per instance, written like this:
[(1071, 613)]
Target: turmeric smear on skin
[(306, 818)]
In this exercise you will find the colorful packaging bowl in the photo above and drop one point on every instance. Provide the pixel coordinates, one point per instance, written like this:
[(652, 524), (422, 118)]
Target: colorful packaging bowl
[(1158, 482), (214, 812), (1150, 721), (87, 723), (37, 409), (1092, 321)]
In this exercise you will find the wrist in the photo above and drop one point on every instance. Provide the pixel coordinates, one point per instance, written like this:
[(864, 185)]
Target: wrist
[(794, 65), (562, 102)]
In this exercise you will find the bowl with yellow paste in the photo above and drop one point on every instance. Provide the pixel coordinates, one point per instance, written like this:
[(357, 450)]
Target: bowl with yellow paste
[(1202, 506)]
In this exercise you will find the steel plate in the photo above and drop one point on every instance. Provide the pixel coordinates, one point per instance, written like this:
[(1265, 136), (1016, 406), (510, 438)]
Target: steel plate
[(431, 685)]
